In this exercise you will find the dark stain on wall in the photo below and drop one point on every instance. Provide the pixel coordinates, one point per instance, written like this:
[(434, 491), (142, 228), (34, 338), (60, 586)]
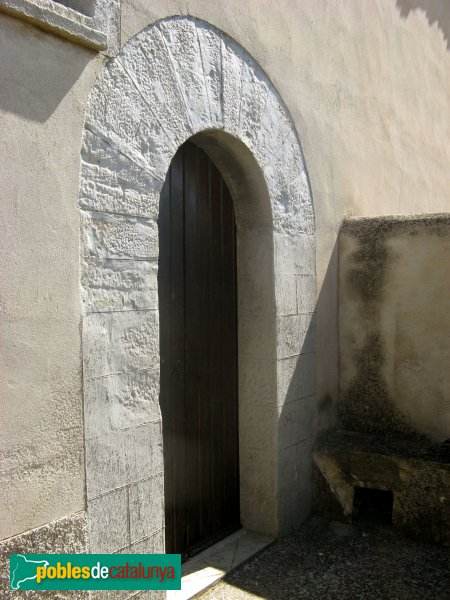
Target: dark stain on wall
[(366, 404), (372, 258)]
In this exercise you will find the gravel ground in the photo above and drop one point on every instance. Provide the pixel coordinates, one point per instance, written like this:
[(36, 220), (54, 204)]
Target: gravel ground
[(330, 561)]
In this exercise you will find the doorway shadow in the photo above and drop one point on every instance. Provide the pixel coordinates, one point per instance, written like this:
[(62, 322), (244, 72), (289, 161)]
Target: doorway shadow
[(318, 411), (310, 400)]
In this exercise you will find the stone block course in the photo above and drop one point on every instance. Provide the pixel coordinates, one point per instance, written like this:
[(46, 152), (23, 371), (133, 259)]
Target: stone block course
[(294, 254), (154, 544), (287, 376), (147, 61), (120, 237), (107, 531), (306, 294), (112, 182), (210, 49), (306, 374), (296, 467), (118, 402), (120, 342), (117, 459), (286, 294), (257, 379), (113, 285), (232, 61), (254, 94), (259, 425), (146, 506), (296, 421), (180, 38), (295, 335)]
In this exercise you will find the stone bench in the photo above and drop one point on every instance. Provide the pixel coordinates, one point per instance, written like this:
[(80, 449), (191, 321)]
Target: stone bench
[(352, 467)]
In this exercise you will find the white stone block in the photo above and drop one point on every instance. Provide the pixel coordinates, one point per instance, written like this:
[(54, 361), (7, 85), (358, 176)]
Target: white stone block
[(296, 421), (295, 507), (295, 335), (148, 63), (257, 424), (210, 48), (306, 294), (107, 519), (257, 382), (112, 182), (120, 342), (255, 247), (295, 467), (308, 333), (294, 254), (256, 294), (183, 45), (256, 337), (277, 141), (288, 336), (260, 483), (278, 151), (112, 595), (151, 595), (116, 236), (232, 61), (287, 388), (117, 402), (306, 374), (146, 505), (254, 93), (119, 112), (286, 294), (124, 457), (154, 544), (111, 285)]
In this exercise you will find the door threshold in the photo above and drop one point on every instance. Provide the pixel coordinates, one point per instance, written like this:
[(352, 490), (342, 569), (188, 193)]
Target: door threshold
[(207, 568)]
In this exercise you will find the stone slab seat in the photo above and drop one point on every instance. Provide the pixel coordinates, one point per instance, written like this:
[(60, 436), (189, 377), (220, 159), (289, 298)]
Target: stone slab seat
[(416, 471)]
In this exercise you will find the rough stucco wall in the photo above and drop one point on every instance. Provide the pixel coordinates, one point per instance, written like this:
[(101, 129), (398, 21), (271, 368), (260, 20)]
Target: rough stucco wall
[(368, 87), (44, 82), (394, 292)]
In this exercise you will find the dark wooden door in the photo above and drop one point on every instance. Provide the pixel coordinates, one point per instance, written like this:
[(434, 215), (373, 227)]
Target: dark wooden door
[(198, 319)]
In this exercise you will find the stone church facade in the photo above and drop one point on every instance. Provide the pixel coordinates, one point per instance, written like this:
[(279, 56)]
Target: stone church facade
[(312, 113)]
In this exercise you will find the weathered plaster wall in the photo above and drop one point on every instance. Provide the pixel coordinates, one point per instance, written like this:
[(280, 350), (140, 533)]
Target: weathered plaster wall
[(368, 86), (43, 87), (394, 298)]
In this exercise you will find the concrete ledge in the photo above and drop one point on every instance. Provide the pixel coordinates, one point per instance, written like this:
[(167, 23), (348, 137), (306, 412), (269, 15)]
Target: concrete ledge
[(59, 19), (417, 473)]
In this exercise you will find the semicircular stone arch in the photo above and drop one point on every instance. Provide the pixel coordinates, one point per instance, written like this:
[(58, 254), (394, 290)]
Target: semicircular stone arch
[(181, 78)]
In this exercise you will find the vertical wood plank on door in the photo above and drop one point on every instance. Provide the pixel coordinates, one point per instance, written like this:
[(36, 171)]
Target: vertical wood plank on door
[(199, 402)]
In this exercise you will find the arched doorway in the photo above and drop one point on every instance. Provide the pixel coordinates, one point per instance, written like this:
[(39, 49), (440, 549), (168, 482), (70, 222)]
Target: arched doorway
[(182, 79), (198, 350)]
